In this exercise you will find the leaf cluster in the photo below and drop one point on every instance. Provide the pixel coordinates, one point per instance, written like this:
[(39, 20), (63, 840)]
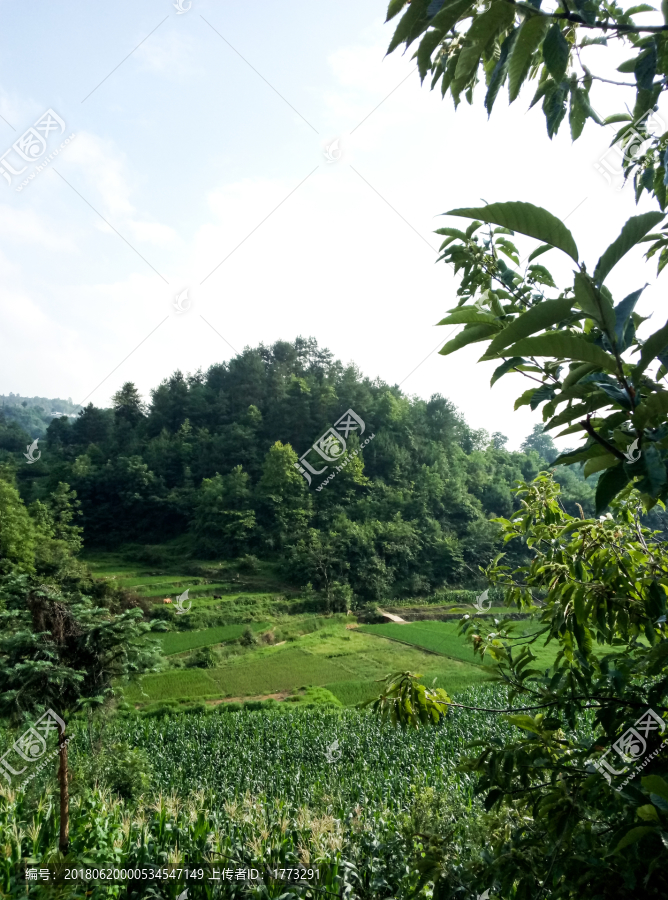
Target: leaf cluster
[(590, 371), (464, 43)]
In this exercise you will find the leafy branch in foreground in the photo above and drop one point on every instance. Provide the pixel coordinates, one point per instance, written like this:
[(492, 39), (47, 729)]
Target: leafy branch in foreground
[(575, 346), (464, 42), (562, 827), (407, 702)]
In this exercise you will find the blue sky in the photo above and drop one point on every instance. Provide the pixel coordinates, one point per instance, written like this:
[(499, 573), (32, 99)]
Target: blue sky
[(207, 145)]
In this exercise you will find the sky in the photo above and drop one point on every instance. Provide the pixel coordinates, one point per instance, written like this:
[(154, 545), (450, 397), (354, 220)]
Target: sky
[(269, 166)]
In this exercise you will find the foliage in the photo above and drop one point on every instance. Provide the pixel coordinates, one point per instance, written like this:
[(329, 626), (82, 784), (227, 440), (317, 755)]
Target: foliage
[(602, 586), (576, 346), (247, 638), (123, 769), (204, 658), (463, 43), (209, 463), (17, 532), (405, 701)]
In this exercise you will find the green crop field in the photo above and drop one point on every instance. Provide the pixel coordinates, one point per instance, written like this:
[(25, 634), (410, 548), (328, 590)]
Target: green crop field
[(443, 638), (180, 641), (296, 787)]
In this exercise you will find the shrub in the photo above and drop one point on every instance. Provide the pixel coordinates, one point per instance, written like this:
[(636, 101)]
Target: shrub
[(248, 638), (249, 564), (204, 658)]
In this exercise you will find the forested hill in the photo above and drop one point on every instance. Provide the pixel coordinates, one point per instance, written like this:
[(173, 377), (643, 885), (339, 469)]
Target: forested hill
[(211, 462)]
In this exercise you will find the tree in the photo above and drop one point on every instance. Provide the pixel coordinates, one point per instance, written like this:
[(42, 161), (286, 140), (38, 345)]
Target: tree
[(58, 647), (542, 443), (128, 405), (499, 440), (93, 426), (223, 523), (17, 532), (284, 503), (58, 517)]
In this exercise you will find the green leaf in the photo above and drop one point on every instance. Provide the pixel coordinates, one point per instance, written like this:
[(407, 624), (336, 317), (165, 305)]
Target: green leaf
[(450, 14), (648, 813), (505, 367), (617, 117), (395, 8), (528, 40), (653, 409), (633, 231), (656, 785), (575, 412), (611, 482), (540, 395), (556, 52), (592, 302), (554, 106), (525, 398), (500, 70), (469, 335), (525, 722), (539, 251), (578, 113), (564, 346), (427, 46), (406, 25), (469, 316), (597, 463), (580, 455), (483, 29), (655, 471), (635, 834), (654, 345), (527, 219), (576, 373), (627, 66), (539, 317)]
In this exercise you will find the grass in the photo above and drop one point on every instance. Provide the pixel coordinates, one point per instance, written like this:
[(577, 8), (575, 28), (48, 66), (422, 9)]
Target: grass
[(443, 638)]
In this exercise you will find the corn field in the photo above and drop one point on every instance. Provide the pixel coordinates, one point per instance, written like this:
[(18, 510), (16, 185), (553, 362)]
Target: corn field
[(333, 791)]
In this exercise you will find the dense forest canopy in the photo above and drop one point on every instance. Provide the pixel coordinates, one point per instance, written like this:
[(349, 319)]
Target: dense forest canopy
[(211, 461)]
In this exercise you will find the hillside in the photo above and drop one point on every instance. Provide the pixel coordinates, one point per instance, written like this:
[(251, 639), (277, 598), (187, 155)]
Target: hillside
[(218, 461)]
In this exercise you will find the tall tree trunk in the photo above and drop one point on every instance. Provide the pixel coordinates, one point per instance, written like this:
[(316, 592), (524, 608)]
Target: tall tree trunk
[(64, 841)]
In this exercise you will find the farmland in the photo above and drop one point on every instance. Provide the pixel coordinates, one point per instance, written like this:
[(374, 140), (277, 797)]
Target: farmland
[(259, 789), (292, 648), (324, 657), (443, 638)]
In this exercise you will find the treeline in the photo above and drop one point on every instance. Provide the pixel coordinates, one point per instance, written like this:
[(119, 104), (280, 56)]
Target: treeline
[(210, 463)]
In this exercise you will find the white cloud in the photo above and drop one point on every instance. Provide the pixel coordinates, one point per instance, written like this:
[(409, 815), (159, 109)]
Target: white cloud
[(26, 226), (103, 169)]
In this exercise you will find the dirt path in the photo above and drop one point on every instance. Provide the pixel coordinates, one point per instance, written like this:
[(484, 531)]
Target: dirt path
[(392, 617)]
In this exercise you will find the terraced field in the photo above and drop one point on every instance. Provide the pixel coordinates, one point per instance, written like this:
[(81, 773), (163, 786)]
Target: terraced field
[(305, 650), (346, 661)]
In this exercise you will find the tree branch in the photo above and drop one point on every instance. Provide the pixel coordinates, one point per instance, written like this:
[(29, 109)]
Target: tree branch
[(578, 20), (591, 431)]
